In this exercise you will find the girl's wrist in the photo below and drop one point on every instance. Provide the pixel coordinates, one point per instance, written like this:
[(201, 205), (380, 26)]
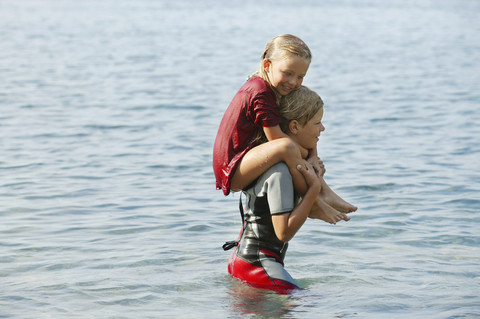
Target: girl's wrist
[(304, 152)]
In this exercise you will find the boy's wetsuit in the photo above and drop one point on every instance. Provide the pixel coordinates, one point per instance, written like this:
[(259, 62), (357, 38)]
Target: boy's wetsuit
[(258, 258)]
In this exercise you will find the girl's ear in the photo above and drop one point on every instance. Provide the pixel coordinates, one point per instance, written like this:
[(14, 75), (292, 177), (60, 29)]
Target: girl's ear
[(293, 126), (266, 64)]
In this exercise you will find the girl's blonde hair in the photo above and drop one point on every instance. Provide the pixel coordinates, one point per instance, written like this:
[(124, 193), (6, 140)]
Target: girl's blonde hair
[(300, 105), (283, 46), (280, 47)]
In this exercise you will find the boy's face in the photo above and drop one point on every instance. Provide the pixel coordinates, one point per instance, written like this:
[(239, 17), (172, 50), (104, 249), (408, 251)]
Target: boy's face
[(286, 74), (307, 135)]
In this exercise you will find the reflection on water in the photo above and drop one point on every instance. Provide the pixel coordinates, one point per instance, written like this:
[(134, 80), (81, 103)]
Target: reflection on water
[(246, 301)]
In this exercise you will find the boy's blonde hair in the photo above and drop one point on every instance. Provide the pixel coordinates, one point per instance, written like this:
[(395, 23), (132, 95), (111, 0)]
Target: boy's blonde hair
[(280, 47), (300, 105)]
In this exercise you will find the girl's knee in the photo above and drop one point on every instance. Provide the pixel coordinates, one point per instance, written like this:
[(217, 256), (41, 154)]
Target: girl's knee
[(286, 145), (289, 148)]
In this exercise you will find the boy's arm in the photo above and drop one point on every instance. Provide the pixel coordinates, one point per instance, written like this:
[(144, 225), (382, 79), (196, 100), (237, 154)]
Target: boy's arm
[(287, 225)]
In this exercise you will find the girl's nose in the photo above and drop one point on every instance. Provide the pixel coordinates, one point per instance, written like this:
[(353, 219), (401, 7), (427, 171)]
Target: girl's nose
[(298, 83)]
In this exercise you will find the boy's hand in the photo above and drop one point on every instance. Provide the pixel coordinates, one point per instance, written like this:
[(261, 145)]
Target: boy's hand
[(310, 175)]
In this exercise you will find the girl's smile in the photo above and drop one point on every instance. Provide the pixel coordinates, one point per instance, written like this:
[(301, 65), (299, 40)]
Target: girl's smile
[(286, 74)]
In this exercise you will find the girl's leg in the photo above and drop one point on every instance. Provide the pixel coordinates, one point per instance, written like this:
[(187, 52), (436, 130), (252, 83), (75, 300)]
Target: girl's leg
[(328, 195), (330, 207), (322, 210), (331, 198), (260, 158)]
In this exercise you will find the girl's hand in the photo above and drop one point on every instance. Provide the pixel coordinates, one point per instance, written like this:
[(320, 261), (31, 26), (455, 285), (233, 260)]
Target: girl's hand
[(303, 151), (317, 164)]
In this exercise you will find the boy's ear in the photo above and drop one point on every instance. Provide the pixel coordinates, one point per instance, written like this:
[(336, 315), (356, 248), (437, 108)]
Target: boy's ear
[(293, 126)]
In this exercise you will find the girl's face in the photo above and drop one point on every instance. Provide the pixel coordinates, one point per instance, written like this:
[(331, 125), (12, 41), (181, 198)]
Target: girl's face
[(307, 135), (286, 74)]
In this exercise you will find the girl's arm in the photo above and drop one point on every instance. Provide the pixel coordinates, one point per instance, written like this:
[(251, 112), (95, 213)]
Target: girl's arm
[(274, 132), (316, 162), (287, 225)]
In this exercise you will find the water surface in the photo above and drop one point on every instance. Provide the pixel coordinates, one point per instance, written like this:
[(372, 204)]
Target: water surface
[(109, 110)]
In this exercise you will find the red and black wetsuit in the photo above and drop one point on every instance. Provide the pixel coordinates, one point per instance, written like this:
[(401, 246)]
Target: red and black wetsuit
[(258, 257)]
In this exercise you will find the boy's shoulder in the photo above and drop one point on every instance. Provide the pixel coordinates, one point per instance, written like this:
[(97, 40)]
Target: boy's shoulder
[(279, 168), (277, 174)]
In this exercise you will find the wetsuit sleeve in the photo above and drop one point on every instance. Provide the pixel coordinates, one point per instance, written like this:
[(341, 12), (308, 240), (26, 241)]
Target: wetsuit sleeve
[(280, 191)]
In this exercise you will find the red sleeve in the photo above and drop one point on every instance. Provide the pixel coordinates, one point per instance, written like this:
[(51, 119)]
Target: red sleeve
[(266, 109)]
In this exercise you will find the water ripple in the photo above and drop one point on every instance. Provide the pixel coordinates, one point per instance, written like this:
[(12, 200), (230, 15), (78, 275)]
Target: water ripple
[(107, 196)]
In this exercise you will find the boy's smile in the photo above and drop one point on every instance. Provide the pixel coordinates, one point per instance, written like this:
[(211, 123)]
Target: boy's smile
[(307, 135)]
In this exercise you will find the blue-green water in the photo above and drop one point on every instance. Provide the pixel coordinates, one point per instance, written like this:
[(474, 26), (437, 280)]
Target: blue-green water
[(108, 113)]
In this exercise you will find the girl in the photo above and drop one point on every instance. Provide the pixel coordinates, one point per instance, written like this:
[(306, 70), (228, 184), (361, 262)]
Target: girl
[(271, 218), (239, 156)]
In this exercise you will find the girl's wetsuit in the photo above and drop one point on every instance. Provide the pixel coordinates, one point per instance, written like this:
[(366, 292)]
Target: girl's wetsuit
[(258, 257)]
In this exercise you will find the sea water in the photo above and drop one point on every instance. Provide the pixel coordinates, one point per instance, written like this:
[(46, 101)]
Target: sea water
[(108, 114)]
